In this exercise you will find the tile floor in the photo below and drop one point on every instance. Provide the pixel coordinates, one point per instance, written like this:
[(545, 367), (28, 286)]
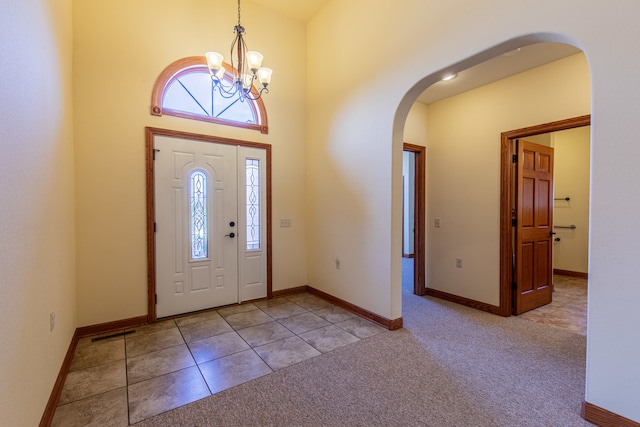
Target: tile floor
[(121, 380), (568, 309)]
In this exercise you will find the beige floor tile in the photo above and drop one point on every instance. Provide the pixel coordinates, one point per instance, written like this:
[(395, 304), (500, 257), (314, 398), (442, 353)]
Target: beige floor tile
[(233, 370), (95, 380), (264, 334), (161, 394), (283, 310), (334, 314), (304, 322), (328, 338), (208, 328), (153, 341), (89, 353), (217, 346), (248, 318), (235, 309), (154, 364), (197, 317), (103, 410), (286, 352), (360, 327), (162, 325)]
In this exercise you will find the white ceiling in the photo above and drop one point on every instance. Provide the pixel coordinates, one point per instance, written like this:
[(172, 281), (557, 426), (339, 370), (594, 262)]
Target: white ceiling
[(495, 69), (300, 10), (500, 67)]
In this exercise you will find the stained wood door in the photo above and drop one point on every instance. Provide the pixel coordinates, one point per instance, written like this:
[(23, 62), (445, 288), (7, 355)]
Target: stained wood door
[(534, 226)]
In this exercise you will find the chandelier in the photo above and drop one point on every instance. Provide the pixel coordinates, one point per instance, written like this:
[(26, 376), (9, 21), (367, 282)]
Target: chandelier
[(246, 68)]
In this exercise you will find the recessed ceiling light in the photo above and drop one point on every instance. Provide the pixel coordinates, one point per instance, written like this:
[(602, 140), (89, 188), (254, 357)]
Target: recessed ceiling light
[(449, 77)]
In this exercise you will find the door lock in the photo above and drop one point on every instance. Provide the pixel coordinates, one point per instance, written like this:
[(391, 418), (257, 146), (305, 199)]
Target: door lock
[(232, 224), (232, 235)]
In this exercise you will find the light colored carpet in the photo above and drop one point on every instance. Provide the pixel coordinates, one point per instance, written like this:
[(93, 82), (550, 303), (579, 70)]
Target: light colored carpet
[(449, 366)]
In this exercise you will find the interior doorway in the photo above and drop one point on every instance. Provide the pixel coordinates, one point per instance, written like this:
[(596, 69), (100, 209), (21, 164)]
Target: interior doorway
[(413, 242), (509, 209)]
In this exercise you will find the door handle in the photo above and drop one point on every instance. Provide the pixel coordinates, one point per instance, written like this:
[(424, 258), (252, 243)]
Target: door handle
[(232, 235), (552, 233)]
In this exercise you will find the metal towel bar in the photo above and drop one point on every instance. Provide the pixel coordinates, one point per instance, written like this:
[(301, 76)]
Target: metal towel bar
[(564, 198), (571, 227)]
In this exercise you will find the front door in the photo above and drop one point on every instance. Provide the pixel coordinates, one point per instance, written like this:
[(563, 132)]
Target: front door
[(210, 245), (534, 226)]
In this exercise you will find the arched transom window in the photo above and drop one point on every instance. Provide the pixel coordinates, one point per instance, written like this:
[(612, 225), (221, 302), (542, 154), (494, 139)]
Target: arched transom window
[(184, 89)]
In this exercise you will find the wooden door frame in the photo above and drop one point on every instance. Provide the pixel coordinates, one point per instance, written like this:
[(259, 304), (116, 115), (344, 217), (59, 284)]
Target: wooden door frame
[(419, 212), (150, 133), (506, 199)]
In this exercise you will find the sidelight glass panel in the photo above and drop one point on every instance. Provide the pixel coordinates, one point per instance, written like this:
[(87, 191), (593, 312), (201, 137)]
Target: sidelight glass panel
[(198, 217), (253, 203)]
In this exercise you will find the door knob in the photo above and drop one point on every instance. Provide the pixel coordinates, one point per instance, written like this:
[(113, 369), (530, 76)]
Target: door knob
[(232, 224)]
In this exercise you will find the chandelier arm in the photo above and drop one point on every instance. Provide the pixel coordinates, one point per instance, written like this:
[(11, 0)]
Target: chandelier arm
[(250, 95), (239, 73)]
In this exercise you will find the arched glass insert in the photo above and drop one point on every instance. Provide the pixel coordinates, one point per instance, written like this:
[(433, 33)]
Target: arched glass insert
[(193, 93), (253, 203), (198, 215), (184, 89)]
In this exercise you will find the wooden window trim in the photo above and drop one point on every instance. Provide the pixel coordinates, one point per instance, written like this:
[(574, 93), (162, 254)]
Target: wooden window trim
[(187, 65)]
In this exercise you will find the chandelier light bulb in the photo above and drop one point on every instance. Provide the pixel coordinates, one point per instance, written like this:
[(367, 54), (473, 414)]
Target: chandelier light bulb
[(247, 81), (214, 62), (264, 76), (254, 60)]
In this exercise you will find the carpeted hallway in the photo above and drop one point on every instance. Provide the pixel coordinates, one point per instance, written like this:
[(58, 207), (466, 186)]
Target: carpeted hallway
[(449, 366)]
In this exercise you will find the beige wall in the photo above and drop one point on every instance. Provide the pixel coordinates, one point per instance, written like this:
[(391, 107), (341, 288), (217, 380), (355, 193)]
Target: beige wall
[(363, 82), (571, 179), (415, 132), (114, 73), (463, 179), (37, 234)]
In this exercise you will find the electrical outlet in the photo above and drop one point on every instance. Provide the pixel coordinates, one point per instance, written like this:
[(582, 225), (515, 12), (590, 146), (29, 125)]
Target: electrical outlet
[(337, 263), (52, 320), (458, 262), (437, 223), (285, 222)]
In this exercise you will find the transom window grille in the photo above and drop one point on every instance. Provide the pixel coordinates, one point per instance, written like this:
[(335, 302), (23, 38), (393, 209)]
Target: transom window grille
[(185, 89), (198, 217), (253, 203)]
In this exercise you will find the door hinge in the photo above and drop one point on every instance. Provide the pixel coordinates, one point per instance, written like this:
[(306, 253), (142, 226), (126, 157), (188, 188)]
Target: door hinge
[(514, 158), (155, 150), (514, 286), (155, 227), (514, 222), (156, 299)]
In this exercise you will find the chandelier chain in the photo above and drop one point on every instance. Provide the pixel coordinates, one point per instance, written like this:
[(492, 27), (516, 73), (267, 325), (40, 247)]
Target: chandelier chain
[(240, 79)]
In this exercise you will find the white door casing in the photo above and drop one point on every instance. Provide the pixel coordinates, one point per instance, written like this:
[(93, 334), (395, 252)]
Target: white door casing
[(184, 283)]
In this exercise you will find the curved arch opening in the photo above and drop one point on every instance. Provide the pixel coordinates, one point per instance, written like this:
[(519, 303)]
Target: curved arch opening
[(436, 219)]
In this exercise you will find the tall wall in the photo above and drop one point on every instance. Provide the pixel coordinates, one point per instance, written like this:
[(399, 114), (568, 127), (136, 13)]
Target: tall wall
[(37, 233), (463, 177), (120, 49), (415, 132), (571, 179), (357, 107)]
